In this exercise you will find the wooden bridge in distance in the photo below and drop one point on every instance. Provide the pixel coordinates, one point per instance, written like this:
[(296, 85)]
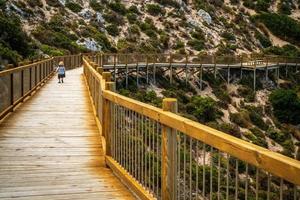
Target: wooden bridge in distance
[(82, 140)]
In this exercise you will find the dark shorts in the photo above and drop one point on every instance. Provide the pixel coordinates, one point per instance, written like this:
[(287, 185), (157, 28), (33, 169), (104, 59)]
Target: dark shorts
[(61, 75)]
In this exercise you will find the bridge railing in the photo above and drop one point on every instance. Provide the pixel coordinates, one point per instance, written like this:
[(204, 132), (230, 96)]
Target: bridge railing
[(161, 155), (18, 83)]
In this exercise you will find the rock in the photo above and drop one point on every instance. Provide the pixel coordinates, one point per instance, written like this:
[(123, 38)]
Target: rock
[(192, 22), (99, 18), (86, 13), (62, 2), (205, 16), (89, 43)]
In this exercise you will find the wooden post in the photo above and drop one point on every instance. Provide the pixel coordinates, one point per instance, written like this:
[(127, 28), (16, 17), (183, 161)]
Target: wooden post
[(215, 67), (147, 70), (100, 70), (228, 74), (137, 73), (169, 155), (186, 69), (12, 91), (115, 67), (254, 76), (201, 77), (126, 66), (171, 70), (107, 118), (106, 76), (267, 63)]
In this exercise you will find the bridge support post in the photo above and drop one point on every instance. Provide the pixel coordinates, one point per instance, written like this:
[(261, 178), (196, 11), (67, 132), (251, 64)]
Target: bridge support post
[(228, 74), (215, 67), (169, 155), (107, 119), (201, 77), (126, 68)]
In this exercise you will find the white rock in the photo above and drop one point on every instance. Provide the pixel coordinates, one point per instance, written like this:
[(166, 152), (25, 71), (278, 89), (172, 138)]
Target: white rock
[(205, 16), (89, 43), (86, 13), (62, 2), (100, 18)]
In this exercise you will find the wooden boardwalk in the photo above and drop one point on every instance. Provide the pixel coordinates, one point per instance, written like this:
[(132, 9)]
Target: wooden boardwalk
[(50, 147)]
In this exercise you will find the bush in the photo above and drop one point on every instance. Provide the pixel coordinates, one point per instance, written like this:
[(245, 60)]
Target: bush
[(53, 3), (118, 7), (286, 106), (34, 3), (282, 26), (203, 108), (96, 6), (242, 119), (255, 114), (247, 93), (196, 44), (14, 43), (155, 9), (113, 30), (228, 36), (264, 41), (132, 17), (73, 6)]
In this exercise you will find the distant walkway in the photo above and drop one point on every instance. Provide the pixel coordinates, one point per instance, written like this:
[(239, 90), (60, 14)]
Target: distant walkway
[(50, 148)]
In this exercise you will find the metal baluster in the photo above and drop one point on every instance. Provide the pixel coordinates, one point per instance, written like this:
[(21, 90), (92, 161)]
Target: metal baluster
[(135, 146), (179, 164), (211, 173), (157, 151), (236, 178), (184, 165), (227, 177), (219, 174), (153, 160), (281, 189), (191, 145), (197, 166), (269, 185), (203, 180), (257, 184), (246, 184)]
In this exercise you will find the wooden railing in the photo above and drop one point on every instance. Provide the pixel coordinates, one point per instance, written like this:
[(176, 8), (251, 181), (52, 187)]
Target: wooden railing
[(18, 83), (161, 155)]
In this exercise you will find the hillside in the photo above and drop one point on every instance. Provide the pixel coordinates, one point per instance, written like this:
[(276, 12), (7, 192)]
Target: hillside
[(57, 27)]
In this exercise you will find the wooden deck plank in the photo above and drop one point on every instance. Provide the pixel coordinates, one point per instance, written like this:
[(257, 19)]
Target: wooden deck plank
[(50, 148)]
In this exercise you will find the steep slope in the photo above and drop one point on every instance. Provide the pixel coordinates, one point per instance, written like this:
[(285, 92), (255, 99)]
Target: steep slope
[(212, 26)]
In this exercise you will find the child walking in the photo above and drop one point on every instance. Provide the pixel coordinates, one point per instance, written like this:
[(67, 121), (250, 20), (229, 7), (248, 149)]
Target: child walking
[(61, 72)]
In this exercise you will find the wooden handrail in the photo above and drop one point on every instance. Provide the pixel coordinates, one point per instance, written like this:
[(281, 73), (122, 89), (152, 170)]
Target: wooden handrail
[(275, 163)]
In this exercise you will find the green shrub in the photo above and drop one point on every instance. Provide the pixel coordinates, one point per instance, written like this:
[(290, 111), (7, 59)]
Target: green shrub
[(13, 41), (286, 106), (73, 6), (51, 51), (255, 114), (96, 5), (34, 3), (118, 7), (264, 41), (242, 119), (114, 18), (53, 3), (247, 93), (155, 9), (282, 26), (203, 108), (286, 50), (113, 30), (132, 17), (196, 44), (228, 36), (231, 129)]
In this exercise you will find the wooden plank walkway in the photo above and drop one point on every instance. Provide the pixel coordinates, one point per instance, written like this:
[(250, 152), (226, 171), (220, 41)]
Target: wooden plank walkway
[(50, 148)]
